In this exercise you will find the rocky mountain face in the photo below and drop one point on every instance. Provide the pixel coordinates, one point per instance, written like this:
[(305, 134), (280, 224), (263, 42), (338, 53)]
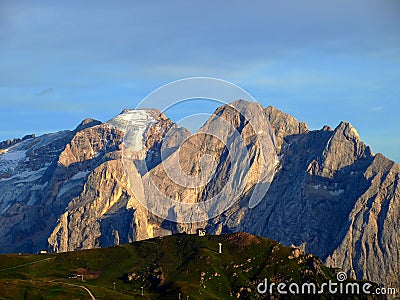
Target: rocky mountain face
[(323, 189), (334, 196)]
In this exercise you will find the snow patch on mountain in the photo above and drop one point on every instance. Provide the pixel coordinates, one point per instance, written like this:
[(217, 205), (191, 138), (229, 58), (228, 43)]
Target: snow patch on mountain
[(10, 160), (13, 156), (68, 185), (50, 137), (39, 187), (134, 123), (25, 176), (5, 208), (80, 175), (336, 192), (32, 200)]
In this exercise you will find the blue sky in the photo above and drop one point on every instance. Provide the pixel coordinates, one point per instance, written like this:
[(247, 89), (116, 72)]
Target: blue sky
[(321, 61)]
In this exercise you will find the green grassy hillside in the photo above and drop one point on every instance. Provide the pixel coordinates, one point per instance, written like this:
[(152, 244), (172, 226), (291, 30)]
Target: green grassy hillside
[(171, 267)]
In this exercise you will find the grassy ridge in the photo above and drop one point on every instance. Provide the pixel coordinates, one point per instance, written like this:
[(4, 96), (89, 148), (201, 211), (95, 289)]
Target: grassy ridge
[(164, 267)]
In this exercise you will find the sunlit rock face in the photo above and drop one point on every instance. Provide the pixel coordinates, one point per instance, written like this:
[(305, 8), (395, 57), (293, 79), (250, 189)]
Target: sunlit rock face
[(108, 183)]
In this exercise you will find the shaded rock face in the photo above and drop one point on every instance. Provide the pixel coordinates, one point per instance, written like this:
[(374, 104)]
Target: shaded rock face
[(333, 194), (329, 193)]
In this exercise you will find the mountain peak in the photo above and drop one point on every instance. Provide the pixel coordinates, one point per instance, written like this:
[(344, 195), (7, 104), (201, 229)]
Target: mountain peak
[(284, 124), (131, 117), (88, 122), (348, 130), (151, 111), (242, 104)]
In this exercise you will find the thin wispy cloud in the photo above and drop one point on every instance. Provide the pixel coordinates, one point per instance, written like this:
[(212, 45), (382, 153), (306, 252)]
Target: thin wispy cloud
[(44, 92)]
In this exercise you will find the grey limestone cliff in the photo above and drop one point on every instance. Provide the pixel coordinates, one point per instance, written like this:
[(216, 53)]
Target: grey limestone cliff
[(324, 189)]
